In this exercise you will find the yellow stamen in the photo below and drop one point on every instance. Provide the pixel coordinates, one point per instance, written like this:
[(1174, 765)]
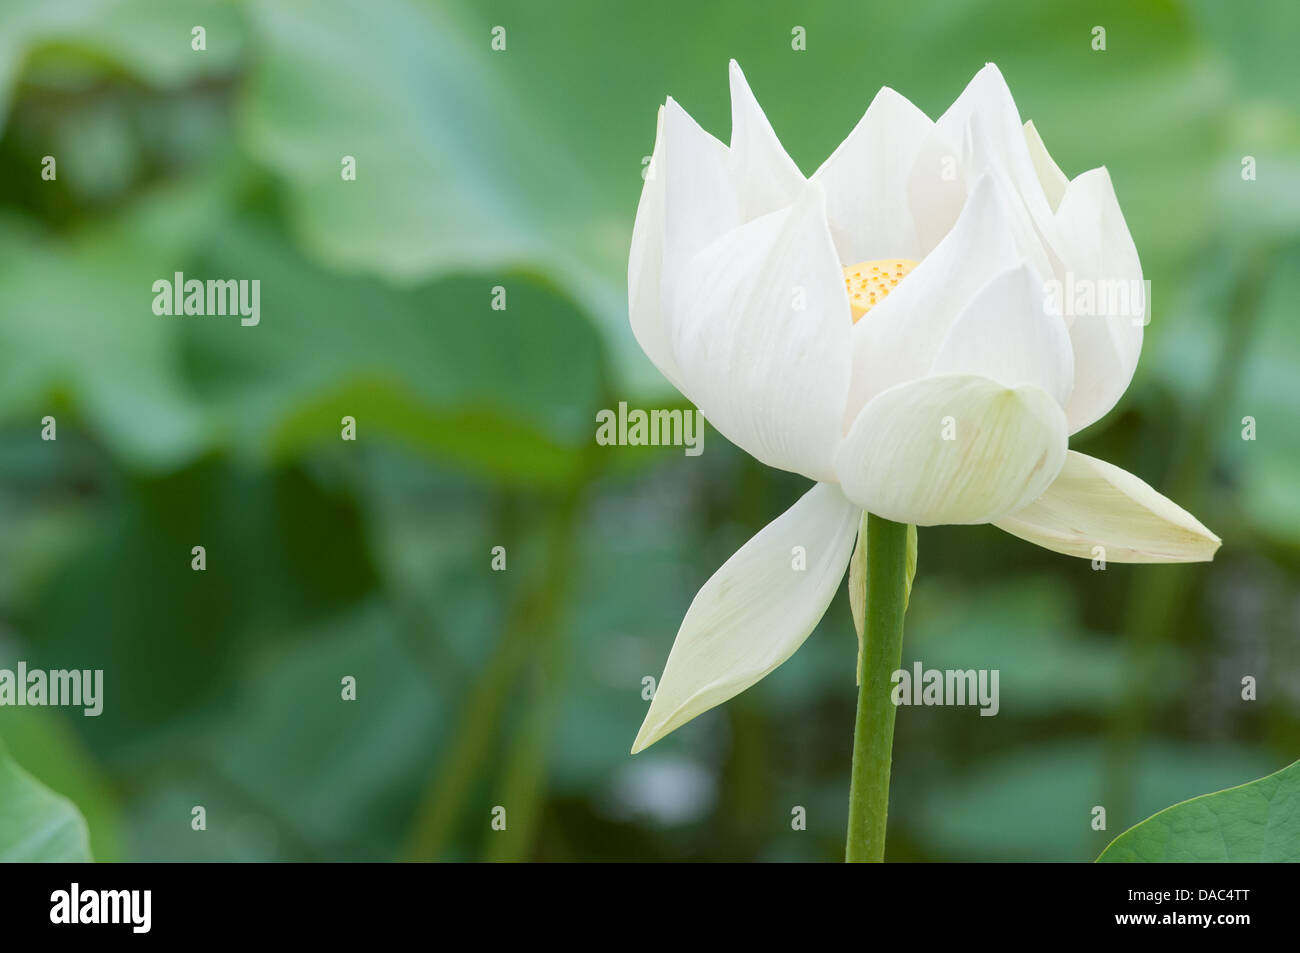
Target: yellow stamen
[(869, 281)]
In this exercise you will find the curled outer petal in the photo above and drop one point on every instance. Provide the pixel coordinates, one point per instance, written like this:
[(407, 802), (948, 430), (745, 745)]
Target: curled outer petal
[(952, 449)]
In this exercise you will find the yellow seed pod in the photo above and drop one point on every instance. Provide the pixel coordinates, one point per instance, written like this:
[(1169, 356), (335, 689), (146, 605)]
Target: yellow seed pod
[(869, 282)]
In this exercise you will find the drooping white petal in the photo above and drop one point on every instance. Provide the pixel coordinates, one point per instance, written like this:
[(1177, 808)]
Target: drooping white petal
[(1102, 275), (1007, 334), (1094, 503), (759, 324), (1050, 176), (764, 176), (899, 338), (756, 610), (866, 179), (952, 449), (645, 266)]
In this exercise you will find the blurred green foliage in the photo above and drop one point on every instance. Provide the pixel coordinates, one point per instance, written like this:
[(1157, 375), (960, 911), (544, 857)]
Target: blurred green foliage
[(522, 688)]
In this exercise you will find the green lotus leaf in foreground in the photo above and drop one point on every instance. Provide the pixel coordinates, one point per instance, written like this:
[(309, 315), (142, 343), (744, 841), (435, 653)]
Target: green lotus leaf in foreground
[(1257, 822), (35, 823)]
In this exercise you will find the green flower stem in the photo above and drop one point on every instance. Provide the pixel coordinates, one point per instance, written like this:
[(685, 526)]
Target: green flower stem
[(873, 733)]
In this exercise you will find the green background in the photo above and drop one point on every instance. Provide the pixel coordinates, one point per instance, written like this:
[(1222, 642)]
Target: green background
[(522, 169)]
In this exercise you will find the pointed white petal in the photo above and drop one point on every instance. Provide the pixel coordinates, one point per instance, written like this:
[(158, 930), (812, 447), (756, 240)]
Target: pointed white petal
[(1050, 176), (1099, 255), (759, 324), (755, 611), (937, 188), (1093, 503), (764, 176), (699, 202), (1007, 334), (645, 266), (899, 338), (987, 109), (866, 181), (979, 135), (1031, 223), (953, 449)]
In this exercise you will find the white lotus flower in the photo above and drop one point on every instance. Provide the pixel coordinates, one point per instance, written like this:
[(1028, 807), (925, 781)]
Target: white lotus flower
[(886, 329)]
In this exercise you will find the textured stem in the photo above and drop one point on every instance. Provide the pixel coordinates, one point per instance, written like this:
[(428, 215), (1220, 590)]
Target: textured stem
[(873, 733)]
